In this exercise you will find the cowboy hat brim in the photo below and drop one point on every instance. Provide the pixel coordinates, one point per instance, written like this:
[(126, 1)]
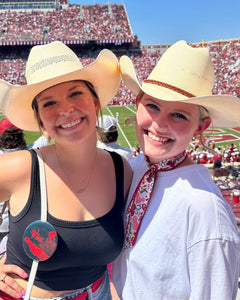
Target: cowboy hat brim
[(219, 106), (103, 74)]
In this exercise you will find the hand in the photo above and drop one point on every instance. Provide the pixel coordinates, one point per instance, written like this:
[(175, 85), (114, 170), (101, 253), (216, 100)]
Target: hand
[(8, 284)]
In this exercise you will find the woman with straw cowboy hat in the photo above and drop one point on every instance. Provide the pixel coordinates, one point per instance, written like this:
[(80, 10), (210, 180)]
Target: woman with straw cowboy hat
[(181, 235), (66, 199)]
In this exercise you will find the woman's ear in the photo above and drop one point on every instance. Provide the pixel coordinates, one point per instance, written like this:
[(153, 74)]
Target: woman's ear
[(203, 126)]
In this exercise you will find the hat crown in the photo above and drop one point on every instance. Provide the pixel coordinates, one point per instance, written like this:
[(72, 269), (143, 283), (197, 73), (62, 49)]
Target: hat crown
[(186, 68), (49, 61)]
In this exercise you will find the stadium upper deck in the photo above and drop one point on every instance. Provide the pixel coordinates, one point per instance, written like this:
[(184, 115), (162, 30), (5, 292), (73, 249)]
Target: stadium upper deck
[(77, 24), (32, 4)]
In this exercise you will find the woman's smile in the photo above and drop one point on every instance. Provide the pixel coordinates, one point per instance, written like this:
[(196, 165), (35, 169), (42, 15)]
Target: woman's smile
[(71, 124), (157, 138)]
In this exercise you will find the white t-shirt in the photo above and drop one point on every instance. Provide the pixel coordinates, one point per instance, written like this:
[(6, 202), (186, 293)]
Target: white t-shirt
[(188, 243)]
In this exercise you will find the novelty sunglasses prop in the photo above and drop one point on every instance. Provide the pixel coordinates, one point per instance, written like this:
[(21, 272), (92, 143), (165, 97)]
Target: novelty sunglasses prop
[(40, 238)]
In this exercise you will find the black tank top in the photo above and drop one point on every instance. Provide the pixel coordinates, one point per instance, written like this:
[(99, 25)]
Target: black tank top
[(84, 248)]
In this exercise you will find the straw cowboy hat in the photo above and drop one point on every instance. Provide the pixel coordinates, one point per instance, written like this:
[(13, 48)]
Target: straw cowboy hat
[(49, 65), (185, 74)]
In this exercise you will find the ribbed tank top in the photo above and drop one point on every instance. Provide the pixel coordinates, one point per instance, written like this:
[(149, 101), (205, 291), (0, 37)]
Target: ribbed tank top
[(84, 248)]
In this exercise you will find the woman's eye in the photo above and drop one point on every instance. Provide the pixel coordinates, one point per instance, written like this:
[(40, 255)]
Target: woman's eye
[(152, 106), (50, 103), (179, 116), (76, 94)]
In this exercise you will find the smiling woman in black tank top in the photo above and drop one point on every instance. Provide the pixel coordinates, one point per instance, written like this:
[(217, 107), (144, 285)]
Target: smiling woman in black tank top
[(85, 186)]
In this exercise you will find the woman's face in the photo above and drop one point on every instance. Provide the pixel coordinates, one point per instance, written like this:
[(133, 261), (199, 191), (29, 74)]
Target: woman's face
[(68, 111), (164, 129)]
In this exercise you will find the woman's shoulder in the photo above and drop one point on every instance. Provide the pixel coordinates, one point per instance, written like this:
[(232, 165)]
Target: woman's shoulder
[(126, 165), (15, 162), (17, 155), (106, 158), (15, 172)]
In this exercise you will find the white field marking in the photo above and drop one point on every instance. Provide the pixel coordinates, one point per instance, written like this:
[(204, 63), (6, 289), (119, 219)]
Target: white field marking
[(133, 111), (130, 146), (235, 130), (221, 136)]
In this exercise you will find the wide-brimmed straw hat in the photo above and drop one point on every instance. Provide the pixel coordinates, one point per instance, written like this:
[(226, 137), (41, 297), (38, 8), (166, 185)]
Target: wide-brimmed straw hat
[(185, 74), (49, 65)]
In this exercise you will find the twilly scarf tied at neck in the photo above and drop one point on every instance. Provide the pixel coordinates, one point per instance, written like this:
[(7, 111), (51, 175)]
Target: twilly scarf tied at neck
[(139, 202)]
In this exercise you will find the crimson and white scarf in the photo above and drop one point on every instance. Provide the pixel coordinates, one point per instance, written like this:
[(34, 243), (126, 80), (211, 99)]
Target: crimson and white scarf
[(140, 200)]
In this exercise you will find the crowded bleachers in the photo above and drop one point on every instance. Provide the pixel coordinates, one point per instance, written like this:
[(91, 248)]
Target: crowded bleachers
[(76, 23), (226, 59)]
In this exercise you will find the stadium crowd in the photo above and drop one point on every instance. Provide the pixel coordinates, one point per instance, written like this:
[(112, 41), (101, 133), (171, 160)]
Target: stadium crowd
[(91, 22), (229, 154)]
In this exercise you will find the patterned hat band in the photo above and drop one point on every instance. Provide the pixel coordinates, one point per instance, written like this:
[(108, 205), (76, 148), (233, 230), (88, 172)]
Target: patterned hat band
[(49, 62), (171, 87)]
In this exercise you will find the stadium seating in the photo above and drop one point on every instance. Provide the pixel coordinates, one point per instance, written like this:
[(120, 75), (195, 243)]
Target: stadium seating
[(104, 23)]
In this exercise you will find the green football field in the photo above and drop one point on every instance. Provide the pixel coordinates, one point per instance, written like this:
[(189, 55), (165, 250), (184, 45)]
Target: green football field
[(127, 136)]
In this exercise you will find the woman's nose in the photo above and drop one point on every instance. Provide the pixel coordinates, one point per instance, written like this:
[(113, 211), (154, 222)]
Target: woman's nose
[(161, 123), (66, 107)]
